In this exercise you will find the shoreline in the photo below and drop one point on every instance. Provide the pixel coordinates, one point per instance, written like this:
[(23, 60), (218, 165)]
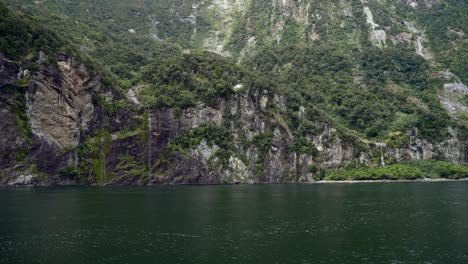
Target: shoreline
[(390, 181), (424, 180)]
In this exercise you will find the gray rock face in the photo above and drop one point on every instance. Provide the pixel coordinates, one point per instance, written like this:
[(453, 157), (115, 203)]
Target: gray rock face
[(451, 149), (450, 99), (23, 179), (242, 115), (60, 103), (44, 116)]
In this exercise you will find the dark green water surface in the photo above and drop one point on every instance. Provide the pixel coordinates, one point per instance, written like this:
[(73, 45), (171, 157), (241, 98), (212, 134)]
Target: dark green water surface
[(320, 223)]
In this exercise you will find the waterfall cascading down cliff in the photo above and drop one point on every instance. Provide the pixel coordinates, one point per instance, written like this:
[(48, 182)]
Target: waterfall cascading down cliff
[(149, 141), (102, 155)]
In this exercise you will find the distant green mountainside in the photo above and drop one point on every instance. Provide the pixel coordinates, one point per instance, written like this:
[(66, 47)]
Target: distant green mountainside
[(363, 62), (241, 26), (345, 72)]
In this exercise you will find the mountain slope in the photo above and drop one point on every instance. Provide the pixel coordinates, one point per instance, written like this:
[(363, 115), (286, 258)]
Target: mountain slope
[(295, 89)]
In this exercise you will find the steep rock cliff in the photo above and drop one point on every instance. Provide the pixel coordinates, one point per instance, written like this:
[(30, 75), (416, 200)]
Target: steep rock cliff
[(46, 114), (243, 138)]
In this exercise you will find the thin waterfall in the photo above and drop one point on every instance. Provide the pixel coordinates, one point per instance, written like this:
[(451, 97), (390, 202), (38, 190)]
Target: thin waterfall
[(149, 141), (382, 161), (102, 155), (103, 161), (419, 46)]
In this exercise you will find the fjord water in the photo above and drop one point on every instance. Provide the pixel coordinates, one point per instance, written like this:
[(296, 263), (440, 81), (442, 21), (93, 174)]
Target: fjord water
[(316, 223)]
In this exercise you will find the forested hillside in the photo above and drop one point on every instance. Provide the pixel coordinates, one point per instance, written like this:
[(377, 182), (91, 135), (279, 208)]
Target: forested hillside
[(235, 91)]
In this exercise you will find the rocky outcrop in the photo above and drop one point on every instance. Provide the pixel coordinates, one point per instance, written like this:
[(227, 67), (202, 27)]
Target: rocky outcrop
[(451, 149), (451, 97), (60, 103), (243, 115), (46, 113), (378, 36)]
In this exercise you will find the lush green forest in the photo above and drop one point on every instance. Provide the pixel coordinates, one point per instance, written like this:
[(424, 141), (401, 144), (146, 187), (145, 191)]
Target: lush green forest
[(408, 171), (375, 92)]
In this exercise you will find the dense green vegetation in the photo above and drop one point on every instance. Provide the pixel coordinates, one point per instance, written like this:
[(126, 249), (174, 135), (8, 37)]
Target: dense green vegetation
[(407, 171), (396, 92), (21, 35), (199, 78), (101, 44), (444, 23), (391, 172), (440, 169)]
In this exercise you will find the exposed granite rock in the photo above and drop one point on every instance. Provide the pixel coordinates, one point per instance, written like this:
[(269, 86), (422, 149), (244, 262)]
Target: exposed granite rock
[(378, 36), (242, 115), (45, 115), (403, 37), (23, 179), (451, 149), (60, 102), (450, 99)]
